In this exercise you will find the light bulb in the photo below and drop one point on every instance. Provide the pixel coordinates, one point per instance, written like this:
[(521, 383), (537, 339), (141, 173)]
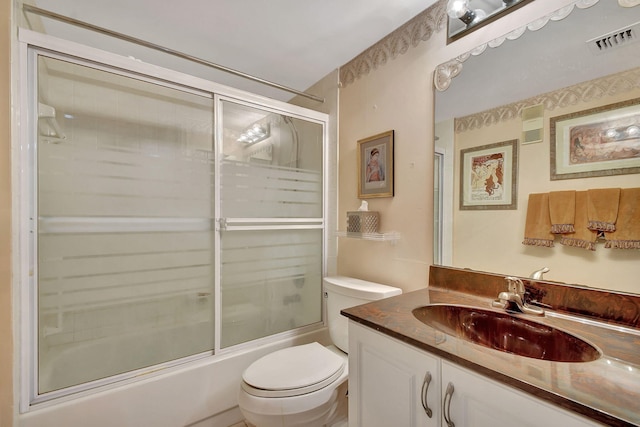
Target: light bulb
[(457, 8), (633, 131), (611, 133), (480, 15)]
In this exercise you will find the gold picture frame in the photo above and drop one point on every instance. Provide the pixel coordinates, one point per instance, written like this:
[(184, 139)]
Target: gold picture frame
[(375, 166), (600, 141), (489, 176)]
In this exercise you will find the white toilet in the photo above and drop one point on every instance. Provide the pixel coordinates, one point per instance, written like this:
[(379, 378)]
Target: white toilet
[(306, 385)]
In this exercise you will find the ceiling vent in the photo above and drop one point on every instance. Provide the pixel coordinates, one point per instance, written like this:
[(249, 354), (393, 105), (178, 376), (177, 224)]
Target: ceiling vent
[(614, 40)]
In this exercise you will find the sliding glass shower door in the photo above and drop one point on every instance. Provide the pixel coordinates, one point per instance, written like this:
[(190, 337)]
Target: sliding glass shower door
[(125, 258), (271, 209), (167, 223)]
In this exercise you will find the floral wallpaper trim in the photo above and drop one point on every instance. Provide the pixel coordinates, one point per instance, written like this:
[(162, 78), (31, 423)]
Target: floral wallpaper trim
[(572, 95), (418, 29)]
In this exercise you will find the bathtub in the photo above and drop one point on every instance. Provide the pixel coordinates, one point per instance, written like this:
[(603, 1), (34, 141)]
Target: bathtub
[(74, 364), (200, 393)]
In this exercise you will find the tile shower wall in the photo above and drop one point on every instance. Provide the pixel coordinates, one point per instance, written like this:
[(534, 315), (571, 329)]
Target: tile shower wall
[(87, 325)]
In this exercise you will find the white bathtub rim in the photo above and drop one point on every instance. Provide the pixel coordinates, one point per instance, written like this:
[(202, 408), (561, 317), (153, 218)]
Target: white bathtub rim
[(148, 376)]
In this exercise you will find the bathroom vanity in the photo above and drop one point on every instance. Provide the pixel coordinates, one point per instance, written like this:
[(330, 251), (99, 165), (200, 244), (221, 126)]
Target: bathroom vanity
[(406, 371), (396, 384)]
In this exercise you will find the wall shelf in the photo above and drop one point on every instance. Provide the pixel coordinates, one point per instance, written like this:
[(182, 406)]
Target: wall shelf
[(391, 236)]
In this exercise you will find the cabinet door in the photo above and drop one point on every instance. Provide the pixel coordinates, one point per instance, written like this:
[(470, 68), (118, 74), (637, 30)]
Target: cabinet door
[(478, 401), (391, 383)]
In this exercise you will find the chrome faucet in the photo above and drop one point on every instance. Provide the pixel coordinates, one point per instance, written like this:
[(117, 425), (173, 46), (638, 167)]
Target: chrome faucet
[(513, 298), (537, 275)]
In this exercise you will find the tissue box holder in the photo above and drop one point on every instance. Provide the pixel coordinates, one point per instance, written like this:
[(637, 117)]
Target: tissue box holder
[(362, 222)]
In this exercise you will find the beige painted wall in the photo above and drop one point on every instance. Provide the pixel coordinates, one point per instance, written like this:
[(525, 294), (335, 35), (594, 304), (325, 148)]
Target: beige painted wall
[(399, 95), (6, 336), (491, 240), (395, 97)]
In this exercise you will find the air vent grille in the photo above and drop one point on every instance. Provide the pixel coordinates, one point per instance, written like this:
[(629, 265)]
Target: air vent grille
[(532, 124), (614, 40)]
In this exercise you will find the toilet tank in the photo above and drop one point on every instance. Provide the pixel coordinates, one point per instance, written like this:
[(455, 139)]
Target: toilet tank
[(343, 292)]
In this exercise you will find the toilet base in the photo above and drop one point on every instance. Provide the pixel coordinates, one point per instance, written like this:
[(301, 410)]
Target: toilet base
[(332, 413)]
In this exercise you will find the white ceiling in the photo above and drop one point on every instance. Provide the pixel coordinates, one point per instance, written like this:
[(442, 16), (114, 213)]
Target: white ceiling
[(294, 43)]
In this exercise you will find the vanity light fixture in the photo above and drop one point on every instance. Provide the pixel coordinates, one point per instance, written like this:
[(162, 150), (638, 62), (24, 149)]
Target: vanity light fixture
[(622, 133), (463, 11), (255, 134)]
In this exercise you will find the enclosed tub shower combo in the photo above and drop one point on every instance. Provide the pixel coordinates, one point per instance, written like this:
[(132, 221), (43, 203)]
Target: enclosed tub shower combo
[(164, 219)]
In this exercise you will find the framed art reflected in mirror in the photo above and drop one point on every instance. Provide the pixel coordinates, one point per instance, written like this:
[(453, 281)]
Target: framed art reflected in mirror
[(600, 141), (489, 176)]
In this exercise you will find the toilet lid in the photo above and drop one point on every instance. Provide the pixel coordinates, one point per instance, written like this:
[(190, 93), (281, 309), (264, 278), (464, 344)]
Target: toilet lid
[(294, 370)]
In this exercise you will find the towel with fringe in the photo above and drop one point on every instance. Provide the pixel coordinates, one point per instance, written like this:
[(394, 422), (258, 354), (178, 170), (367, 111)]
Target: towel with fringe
[(562, 210), (537, 228), (602, 208), (582, 237), (627, 234)]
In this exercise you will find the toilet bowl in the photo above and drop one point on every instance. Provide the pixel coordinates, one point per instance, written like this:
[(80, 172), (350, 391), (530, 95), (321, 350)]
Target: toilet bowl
[(306, 385), (302, 385)]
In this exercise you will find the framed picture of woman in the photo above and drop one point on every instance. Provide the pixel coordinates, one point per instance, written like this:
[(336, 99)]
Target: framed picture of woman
[(375, 166)]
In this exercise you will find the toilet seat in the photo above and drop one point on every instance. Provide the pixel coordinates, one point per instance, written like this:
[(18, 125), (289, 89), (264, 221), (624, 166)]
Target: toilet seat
[(293, 371)]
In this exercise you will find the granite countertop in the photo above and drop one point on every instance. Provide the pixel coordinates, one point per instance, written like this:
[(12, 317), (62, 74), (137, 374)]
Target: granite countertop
[(606, 390)]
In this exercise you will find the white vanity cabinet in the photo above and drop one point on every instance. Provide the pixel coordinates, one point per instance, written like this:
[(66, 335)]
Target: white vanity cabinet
[(470, 399), (387, 389), (391, 384)]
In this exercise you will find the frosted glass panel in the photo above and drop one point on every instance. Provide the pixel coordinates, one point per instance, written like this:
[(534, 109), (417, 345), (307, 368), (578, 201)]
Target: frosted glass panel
[(271, 165), (124, 205), (271, 282)]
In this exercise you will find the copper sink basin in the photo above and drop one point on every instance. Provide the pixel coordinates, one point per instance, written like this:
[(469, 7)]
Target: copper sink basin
[(504, 332)]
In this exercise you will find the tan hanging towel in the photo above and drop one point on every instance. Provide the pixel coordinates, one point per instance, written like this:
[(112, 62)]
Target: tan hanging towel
[(537, 228), (627, 234), (582, 237), (602, 208), (562, 210)]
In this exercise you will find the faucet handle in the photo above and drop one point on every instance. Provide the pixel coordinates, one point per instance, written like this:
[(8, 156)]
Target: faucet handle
[(515, 297), (515, 285), (537, 275)]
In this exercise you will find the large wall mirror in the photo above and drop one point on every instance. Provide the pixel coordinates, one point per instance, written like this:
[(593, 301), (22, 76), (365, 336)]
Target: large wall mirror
[(586, 57)]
